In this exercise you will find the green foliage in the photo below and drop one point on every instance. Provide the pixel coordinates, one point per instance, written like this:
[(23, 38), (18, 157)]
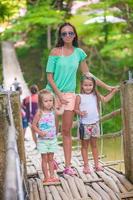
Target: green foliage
[(9, 9), (34, 23)]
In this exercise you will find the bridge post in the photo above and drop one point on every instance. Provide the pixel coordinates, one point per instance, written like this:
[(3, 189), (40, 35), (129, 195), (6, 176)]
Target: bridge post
[(15, 101), (127, 114), (3, 131)]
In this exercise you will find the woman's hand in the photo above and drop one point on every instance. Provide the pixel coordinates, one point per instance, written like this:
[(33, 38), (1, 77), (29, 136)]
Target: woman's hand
[(62, 100)]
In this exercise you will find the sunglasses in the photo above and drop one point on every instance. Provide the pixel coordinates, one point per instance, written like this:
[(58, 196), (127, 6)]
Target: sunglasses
[(70, 34)]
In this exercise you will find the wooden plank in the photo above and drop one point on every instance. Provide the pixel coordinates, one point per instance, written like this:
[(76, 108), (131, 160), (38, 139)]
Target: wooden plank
[(51, 183), (94, 180), (126, 195)]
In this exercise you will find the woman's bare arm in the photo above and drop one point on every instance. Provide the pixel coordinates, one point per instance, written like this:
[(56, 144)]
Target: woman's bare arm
[(85, 70)]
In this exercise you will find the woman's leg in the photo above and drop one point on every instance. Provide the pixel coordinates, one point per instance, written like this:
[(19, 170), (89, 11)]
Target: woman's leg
[(45, 166), (50, 164), (67, 120), (57, 124)]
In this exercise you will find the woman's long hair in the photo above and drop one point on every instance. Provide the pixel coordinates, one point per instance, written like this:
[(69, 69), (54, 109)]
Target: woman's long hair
[(60, 41)]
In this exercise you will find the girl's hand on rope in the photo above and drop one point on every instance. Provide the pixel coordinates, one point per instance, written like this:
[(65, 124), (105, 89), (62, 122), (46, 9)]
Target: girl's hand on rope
[(110, 88), (116, 89)]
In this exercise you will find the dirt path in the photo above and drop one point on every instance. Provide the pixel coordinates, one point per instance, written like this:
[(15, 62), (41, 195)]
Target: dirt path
[(11, 68)]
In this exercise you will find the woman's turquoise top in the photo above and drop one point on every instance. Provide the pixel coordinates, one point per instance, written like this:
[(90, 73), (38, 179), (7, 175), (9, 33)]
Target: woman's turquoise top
[(64, 69)]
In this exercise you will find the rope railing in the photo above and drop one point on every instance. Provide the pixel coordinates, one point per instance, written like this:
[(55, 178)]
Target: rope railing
[(13, 187)]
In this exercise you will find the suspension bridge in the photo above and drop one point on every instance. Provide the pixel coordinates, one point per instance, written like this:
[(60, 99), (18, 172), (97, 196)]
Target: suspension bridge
[(20, 172)]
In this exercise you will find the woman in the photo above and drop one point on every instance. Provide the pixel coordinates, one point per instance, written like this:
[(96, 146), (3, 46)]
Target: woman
[(62, 66), (30, 106)]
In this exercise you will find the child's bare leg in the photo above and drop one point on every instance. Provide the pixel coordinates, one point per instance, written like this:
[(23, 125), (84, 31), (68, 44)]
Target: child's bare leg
[(84, 151), (50, 163), (93, 142), (45, 166)]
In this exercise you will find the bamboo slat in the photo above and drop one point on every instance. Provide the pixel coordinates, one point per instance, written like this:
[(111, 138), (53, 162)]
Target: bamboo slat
[(101, 192), (66, 188), (81, 187), (55, 193), (94, 180), (62, 193), (41, 189), (81, 174), (93, 194), (126, 195), (72, 186), (117, 181), (94, 175), (109, 181), (122, 179), (48, 193), (31, 196), (35, 189), (108, 190)]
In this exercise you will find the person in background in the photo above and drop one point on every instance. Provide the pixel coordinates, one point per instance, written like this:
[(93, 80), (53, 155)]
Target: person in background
[(30, 106), (87, 108), (15, 85), (44, 125), (63, 63)]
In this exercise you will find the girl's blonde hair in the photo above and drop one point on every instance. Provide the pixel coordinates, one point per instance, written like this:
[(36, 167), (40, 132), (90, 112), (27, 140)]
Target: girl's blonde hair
[(41, 96)]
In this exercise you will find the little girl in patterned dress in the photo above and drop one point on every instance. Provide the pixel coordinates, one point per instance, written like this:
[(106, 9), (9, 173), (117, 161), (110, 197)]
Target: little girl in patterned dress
[(86, 107), (44, 125)]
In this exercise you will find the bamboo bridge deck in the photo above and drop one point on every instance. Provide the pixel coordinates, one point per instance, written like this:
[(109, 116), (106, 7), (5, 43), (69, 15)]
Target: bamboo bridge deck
[(107, 185)]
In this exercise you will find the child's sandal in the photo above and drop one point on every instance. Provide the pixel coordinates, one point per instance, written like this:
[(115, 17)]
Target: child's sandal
[(86, 170), (45, 180), (69, 171), (99, 168), (54, 179), (55, 165)]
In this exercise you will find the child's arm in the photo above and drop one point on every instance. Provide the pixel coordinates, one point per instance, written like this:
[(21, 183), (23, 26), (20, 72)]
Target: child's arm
[(35, 125), (109, 96), (76, 109), (85, 71)]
